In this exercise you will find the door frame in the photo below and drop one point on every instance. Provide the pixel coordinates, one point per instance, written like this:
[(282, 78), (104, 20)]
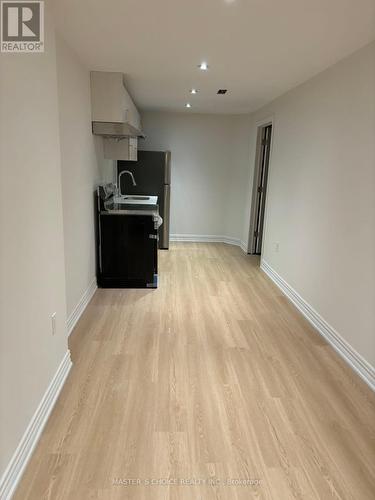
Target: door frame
[(260, 125)]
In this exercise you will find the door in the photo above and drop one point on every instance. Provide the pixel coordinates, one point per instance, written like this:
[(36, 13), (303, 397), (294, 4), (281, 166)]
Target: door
[(127, 252), (261, 188)]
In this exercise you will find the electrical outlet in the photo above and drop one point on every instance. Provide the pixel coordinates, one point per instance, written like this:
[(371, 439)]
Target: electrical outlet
[(277, 246), (53, 323)]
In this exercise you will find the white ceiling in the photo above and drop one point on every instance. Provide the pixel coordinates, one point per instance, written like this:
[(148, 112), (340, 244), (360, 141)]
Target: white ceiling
[(257, 49)]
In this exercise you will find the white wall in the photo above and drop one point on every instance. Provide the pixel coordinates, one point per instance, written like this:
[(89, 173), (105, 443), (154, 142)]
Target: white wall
[(32, 281), (209, 169), (321, 195), (80, 151)]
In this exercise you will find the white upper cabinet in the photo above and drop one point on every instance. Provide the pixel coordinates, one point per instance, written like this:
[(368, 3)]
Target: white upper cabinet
[(125, 148), (110, 101)]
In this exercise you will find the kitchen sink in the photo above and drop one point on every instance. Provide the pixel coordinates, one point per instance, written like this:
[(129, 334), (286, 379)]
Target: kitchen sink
[(136, 197)]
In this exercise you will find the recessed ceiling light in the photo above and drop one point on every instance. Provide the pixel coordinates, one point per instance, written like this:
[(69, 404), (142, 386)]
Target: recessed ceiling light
[(203, 66), (194, 91), (188, 105)]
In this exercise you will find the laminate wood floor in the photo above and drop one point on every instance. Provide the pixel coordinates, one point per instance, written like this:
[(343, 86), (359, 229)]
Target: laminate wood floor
[(211, 379)]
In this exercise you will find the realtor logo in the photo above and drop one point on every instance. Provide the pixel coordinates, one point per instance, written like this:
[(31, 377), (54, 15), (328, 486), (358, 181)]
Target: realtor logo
[(22, 26)]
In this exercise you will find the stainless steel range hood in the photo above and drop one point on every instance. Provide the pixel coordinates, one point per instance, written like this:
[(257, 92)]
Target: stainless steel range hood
[(115, 129)]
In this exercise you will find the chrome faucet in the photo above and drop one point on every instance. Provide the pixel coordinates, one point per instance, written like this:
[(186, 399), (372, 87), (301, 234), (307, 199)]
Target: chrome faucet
[(119, 180)]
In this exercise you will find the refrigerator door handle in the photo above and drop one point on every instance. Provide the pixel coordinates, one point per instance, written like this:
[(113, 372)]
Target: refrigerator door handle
[(165, 226), (167, 168)]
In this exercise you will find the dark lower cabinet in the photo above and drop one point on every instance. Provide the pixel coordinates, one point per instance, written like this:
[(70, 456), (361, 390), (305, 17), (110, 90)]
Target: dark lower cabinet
[(127, 251)]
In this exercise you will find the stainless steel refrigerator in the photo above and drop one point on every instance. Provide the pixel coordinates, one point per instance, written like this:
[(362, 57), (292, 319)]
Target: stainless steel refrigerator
[(152, 173)]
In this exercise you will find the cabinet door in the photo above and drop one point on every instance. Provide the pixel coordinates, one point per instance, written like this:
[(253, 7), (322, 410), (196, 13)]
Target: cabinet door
[(127, 252), (116, 149), (110, 101), (133, 148), (107, 94), (120, 149), (132, 114)]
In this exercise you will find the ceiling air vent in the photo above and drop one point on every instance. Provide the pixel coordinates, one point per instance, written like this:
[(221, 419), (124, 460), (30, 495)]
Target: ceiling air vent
[(222, 91)]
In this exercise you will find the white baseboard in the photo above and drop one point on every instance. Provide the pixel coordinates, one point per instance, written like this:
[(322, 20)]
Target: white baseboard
[(244, 247), (346, 351), (18, 462), (81, 306), (209, 238)]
